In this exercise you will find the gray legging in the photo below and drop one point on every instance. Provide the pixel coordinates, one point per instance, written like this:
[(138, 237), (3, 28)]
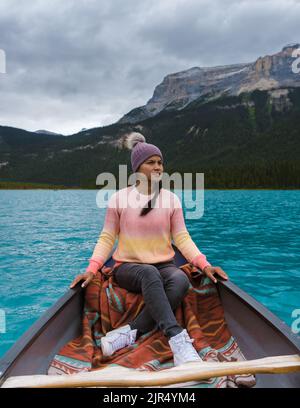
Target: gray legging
[(163, 286)]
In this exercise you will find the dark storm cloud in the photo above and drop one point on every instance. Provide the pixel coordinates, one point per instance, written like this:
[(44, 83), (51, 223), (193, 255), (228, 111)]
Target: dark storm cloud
[(73, 64)]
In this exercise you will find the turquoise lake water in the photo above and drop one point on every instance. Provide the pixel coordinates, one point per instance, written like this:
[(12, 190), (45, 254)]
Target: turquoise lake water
[(48, 236)]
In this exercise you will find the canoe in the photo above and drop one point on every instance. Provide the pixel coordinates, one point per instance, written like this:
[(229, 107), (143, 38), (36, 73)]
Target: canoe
[(258, 332)]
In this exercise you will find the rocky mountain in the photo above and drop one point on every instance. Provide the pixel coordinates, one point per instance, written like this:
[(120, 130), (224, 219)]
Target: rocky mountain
[(237, 124), (247, 141), (178, 90)]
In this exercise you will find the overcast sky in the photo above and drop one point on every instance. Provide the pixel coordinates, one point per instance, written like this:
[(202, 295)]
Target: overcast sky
[(73, 64)]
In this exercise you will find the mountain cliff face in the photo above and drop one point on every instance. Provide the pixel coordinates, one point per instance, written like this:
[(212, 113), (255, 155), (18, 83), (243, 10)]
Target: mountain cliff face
[(178, 90), (245, 141), (238, 124)]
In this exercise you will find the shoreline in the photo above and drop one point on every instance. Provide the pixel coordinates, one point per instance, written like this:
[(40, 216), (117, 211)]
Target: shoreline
[(98, 189)]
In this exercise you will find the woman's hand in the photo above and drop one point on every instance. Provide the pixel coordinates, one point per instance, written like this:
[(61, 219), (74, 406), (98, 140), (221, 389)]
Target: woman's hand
[(211, 270), (87, 277)]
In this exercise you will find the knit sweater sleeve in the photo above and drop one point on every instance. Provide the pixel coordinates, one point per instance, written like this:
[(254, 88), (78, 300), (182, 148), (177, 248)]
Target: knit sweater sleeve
[(107, 236), (183, 240)]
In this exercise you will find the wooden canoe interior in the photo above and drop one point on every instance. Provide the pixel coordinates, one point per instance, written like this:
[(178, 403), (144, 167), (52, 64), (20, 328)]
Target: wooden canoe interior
[(258, 332)]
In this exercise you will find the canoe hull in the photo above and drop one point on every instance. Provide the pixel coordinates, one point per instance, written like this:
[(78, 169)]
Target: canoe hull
[(257, 331), (259, 334)]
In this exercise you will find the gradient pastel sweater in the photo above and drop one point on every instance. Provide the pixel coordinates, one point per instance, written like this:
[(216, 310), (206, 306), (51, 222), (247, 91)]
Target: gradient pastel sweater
[(144, 239)]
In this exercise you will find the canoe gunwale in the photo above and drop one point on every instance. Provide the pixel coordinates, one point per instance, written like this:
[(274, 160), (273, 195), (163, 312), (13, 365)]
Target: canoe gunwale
[(270, 318), (33, 332)]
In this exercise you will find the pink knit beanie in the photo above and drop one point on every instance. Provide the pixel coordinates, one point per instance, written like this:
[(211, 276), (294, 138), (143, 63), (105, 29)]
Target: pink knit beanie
[(141, 150)]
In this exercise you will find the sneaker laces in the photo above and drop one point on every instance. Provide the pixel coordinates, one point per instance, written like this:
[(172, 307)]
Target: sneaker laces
[(182, 349), (184, 337), (122, 339)]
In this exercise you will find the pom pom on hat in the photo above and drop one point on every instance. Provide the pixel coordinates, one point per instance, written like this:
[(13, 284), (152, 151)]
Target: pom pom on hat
[(132, 139)]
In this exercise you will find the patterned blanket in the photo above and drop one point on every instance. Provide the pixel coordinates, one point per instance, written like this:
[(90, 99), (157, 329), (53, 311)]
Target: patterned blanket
[(107, 306)]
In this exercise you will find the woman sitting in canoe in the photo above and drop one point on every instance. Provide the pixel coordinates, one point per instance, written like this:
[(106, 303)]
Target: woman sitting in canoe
[(144, 258)]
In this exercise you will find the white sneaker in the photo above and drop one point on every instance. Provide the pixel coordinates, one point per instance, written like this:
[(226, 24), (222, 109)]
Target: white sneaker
[(182, 348), (117, 339)]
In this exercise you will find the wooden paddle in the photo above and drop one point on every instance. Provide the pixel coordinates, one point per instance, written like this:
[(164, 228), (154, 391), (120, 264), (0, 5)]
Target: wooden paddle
[(128, 377)]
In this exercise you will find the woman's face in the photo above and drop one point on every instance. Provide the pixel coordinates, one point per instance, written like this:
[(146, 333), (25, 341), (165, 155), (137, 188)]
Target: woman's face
[(152, 167)]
